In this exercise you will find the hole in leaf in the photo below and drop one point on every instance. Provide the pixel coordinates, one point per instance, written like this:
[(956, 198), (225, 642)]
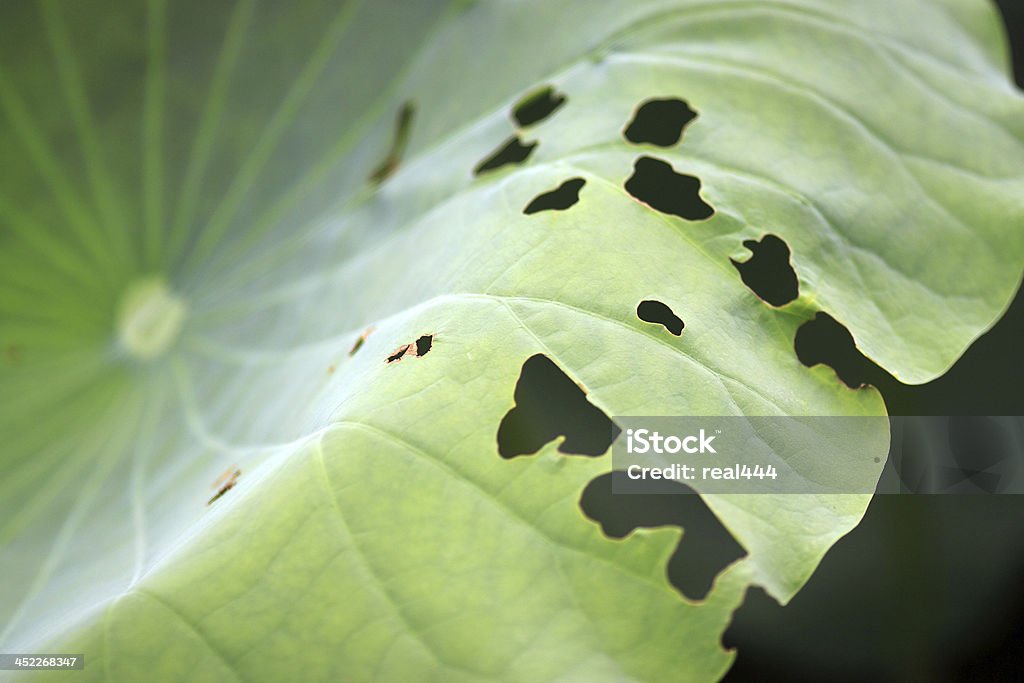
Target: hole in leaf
[(423, 344), (559, 199), (660, 122), (660, 314), (706, 547), (768, 272), (537, 106), (824, 340), (416, 349), (656, 183), (512, 151), (548, 405), (403, 124), (398, 353)]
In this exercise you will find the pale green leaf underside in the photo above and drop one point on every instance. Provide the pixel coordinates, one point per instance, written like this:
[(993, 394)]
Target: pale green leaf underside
[(375, 532)]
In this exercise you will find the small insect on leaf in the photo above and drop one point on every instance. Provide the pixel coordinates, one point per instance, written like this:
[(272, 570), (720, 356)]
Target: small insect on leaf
[(231, 471), (226, 481), (361, 340)]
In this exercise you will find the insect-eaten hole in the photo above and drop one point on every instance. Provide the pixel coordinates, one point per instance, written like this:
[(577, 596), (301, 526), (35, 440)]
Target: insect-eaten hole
[(549, 404), (659, 122), (656, 183), (512, 151), (403, 124), (706, 547), (824, 340), (416, 349), (423, 345), (660, 314), (768, 272), (559, 199), (537, 106)]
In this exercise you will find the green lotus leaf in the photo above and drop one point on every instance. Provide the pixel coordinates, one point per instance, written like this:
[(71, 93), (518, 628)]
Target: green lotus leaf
[(279, 239)]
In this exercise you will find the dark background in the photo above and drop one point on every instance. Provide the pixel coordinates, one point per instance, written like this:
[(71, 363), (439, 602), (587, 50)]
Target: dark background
[(927, 588)]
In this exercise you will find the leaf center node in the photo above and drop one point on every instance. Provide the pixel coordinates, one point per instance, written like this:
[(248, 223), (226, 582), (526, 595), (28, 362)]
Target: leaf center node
[(150, 318)]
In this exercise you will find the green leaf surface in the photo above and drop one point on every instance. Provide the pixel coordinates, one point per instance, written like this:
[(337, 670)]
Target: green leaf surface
[(192, 239)]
